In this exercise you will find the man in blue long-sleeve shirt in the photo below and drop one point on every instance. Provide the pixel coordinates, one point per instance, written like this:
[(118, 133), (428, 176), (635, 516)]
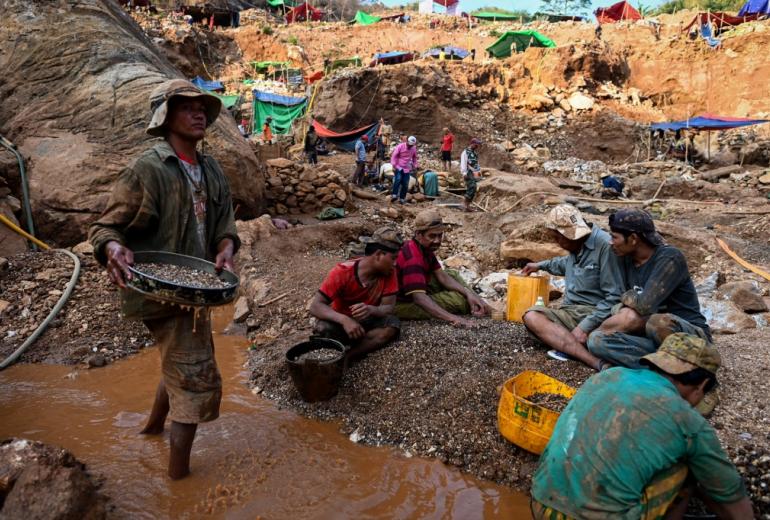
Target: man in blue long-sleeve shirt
[(360, 150), (593, 285), (659, 298)]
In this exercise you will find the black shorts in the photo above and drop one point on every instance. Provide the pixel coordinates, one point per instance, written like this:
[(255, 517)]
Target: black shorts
[(332, 330), (446, 155)]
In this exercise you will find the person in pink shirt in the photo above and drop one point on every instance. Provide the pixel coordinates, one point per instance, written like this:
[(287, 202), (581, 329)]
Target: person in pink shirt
[(404, 161)]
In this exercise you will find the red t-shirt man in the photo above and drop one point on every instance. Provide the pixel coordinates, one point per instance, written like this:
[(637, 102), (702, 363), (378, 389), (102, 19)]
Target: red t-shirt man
[(447, 142), (343, 288)]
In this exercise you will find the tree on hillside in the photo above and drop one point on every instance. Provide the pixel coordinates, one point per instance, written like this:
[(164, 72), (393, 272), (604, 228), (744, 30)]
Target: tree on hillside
[(566, 6)]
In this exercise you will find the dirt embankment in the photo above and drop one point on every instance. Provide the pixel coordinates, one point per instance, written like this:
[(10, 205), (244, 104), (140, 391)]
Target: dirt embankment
[(79, 116)]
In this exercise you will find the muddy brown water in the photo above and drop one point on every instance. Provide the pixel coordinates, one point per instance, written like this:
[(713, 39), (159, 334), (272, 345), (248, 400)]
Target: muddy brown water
[(255, 461)]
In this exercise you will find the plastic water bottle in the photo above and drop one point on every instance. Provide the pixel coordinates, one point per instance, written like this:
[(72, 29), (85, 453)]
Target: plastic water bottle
[(540, 302)]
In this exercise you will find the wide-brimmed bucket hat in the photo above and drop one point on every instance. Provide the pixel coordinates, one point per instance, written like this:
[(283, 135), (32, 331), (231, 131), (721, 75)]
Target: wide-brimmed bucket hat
[(164, 92)]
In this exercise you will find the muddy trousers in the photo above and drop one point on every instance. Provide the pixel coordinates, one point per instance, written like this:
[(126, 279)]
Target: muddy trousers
[(626, 350), (450, 301)]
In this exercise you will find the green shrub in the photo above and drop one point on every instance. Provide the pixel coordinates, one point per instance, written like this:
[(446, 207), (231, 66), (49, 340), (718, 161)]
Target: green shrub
[(266, 29)]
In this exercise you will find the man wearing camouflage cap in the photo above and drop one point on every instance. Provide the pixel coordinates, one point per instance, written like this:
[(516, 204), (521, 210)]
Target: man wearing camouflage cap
[(629, 439), (426, 290), (592, 283), (173, 198), (659, 297), (355, 302)]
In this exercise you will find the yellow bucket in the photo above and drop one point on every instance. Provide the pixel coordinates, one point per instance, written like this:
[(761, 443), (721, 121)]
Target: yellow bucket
[(526, 424), (523, 292)]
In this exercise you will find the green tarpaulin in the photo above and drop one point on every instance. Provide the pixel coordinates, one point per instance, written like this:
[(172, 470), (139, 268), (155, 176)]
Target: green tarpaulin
[(485, 15), (365, 19), (518, 41), (261, 67), (282, 115), (279, 3), (229, 101)]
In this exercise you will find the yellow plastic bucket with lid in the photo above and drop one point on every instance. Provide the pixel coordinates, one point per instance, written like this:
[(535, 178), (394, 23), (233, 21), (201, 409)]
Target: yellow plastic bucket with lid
[(523, 292), (522, 422)]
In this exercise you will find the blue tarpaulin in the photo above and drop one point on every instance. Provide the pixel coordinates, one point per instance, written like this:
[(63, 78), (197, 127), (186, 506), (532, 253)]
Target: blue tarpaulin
[(708, 122), (269, 97), (457, 52), (206, 84), (755, 7), (390, 58)]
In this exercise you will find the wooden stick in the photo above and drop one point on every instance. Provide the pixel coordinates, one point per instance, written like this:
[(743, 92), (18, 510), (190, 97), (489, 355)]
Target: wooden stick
[(509, 208), (742, 262), (462, 197), (761, 212), (273, 300), (657, 192)]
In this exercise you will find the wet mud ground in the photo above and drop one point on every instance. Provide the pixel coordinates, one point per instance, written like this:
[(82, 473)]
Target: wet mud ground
[(255, 461)]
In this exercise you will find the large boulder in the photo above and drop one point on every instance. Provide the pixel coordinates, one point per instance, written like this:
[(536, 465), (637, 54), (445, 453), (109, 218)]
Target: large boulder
[(38, 481), (724, 317), (745, 294), (79, 116)]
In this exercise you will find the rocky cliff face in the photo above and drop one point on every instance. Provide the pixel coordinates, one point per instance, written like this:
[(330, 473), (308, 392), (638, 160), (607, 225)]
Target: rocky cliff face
[(75, 85)]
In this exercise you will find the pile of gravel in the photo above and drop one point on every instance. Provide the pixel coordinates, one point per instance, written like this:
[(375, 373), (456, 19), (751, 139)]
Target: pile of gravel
[(432, 393)]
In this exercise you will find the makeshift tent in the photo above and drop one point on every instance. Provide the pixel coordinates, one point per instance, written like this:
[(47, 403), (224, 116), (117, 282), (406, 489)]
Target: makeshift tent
[(346, 140), (363, 18), (450, 53), (261, 67), (518, 41), (391, 58), (229, 101), (281, 3), (708, 122), (207, 85), (721, 21), (485, 15), (302, 13), (392, 17), (617, 12), (283, 110), (755, 7)]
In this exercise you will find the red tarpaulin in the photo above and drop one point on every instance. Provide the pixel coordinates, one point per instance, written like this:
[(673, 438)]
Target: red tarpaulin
[(322, 131), (314, 76), (302, 12), (446, 3), (720, 19), (616, 12)]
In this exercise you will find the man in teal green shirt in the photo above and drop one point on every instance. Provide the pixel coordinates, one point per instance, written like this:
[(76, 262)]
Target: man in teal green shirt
[(627, 441)]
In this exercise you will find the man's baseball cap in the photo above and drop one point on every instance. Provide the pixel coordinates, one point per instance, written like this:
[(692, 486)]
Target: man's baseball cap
[(636, 221), (387, 238), (428, 219), (680, 353), (167, 90), (411, 140), (364, 137), (568, 221), (476, 141)]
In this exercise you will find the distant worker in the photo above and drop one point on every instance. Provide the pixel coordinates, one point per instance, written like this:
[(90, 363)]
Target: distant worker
[(598, 31), (404, 161), (243, 128), (447, 143), (631, 445), (470, 171), (267, 131), (425, 289), (360, 151), (593, 284), (441, 55), (173, 198), (311, 141), (473, 54), (356, 300), (659, 298), (385, 135)]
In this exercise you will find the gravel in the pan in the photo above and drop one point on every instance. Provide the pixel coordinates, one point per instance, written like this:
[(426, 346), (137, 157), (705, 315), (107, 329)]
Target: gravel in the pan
[(182, 275)]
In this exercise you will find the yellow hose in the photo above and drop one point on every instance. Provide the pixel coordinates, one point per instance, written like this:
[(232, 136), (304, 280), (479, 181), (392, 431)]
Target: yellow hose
[(23, 233)]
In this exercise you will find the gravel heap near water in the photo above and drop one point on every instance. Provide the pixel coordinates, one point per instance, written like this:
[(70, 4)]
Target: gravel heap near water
[(434, 392)]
